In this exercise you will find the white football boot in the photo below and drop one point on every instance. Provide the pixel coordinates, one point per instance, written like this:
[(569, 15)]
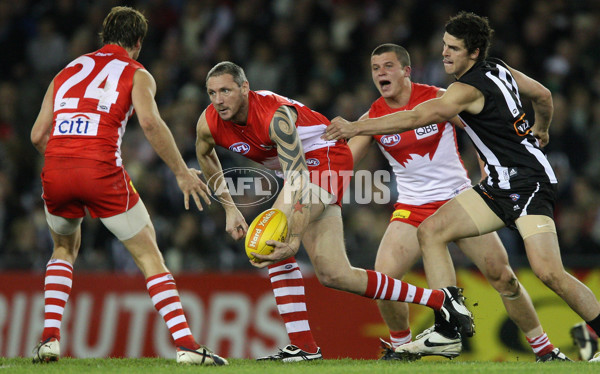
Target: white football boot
[(46, 351), (596, 358), (201, 356), (430, 343)]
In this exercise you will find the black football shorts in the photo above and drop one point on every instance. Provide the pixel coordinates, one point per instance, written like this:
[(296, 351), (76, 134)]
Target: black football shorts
[(522, 199)]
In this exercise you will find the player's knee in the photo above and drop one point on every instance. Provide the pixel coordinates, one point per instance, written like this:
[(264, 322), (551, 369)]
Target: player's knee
[(513, 293), (428, 230), (506, 283), (331, 279), (498, 273)]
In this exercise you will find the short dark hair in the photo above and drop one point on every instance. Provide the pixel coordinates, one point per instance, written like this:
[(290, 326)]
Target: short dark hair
[(124, 26), (401, 52), (228, 67), (474, 30)]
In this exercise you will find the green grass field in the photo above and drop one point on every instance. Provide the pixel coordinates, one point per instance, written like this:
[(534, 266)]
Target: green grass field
[(241, 366)]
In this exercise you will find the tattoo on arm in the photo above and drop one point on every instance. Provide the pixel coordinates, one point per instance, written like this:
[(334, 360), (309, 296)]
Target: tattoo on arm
[(291, 155)]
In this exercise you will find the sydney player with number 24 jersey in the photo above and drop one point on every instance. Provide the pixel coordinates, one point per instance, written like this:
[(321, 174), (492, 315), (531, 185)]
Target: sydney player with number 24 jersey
[(79, 131)]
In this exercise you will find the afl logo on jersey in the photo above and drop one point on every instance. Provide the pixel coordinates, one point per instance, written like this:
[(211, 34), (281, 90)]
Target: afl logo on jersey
[(312, 162), (240, 147), (390, 140)]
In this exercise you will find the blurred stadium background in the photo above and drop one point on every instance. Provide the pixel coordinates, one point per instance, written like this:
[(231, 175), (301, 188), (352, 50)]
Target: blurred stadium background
[(315, 51)]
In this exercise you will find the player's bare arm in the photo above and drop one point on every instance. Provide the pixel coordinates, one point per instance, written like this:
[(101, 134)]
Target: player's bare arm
[(40, 133), (454, 120), (458, 97), (359, 145), (293, 164), (541, 100), (235, 224), (161, 139)]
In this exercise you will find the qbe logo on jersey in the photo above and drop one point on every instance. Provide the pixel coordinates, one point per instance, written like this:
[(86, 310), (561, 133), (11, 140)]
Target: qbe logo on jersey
[(425, 131), (78, 124)]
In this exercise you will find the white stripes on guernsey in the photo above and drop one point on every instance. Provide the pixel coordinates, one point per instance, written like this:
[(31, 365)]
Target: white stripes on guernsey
[(164, 295), (539, 155), (57, 288), (288, 288), (491, 160), (541, 345), (509, 96)]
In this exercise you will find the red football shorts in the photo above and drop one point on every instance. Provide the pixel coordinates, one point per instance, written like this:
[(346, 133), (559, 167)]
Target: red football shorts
[(331, 169), (70, 185), (414, 214)]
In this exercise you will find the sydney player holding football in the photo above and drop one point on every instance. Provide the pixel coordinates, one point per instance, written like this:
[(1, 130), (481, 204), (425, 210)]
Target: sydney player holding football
[(79, 131), (429, 172), (282, 134)]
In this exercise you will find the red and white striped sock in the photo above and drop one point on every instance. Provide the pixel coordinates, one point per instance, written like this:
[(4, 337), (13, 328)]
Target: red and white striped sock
[(383, 287), (57, 288), (288, 288), (164, 295), (397, 338), (541, 345)]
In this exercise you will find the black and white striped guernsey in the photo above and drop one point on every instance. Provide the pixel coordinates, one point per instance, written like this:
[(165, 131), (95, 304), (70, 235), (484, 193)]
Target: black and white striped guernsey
[(501, 132)]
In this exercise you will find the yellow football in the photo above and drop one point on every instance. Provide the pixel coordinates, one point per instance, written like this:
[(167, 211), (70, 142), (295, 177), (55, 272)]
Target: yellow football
[(269, 225)]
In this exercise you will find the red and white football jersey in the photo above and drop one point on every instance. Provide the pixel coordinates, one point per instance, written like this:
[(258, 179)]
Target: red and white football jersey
[(252, 140), (326, 159), (426, 161), (92, 103)]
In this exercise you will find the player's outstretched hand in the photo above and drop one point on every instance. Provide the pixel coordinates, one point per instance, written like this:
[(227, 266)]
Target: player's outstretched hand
[(340, 129), (235, 223), (280, 253), (191, 184)]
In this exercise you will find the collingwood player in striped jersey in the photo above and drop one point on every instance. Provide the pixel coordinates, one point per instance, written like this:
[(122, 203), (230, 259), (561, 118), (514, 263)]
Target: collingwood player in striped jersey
[(520, 188)]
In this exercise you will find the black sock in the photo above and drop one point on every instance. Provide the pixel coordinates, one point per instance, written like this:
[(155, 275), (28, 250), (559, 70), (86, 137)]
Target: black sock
[(595, 324), (444, 327)]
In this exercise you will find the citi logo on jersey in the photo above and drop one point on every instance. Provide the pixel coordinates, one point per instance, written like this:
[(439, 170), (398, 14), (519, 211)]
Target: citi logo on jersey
[(79, 124), (240, 147), (390, 140), (312, 162)]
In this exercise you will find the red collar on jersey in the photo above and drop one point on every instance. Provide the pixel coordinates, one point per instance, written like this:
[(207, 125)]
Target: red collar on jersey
[(116, 49)]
